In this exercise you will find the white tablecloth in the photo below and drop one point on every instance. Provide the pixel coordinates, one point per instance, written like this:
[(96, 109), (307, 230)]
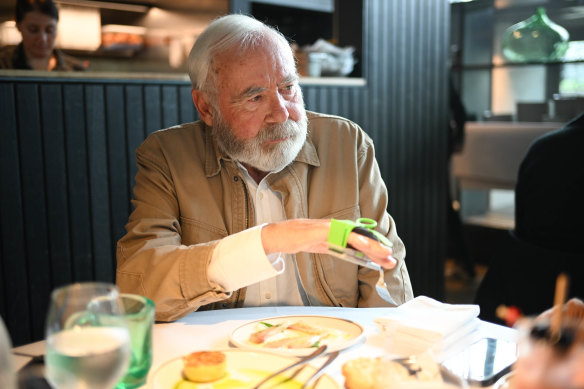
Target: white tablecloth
[(211, 330)]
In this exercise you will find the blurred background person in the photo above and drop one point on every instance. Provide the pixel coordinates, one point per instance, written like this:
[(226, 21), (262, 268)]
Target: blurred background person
[(37, 22), (547, 238)]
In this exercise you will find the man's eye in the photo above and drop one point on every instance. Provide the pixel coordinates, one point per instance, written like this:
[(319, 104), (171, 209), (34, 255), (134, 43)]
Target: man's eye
[(288, 89), (33, 29), (255, 99)]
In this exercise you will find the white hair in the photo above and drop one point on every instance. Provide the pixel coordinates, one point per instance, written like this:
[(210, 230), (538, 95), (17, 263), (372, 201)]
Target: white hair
[(226, 33)]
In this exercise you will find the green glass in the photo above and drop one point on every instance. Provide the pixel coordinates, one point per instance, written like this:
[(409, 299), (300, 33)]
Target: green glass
[(139, 314), (536, 39)]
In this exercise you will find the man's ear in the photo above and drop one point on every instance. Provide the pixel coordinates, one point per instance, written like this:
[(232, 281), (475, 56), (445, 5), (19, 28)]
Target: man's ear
[(205, 109)]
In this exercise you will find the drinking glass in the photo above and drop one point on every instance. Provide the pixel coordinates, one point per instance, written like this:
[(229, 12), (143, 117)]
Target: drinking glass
[(87, 338), (140, 319), (7, 375)]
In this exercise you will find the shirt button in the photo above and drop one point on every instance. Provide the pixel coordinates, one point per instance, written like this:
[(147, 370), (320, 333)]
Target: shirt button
[(268, 295), (261, 196)]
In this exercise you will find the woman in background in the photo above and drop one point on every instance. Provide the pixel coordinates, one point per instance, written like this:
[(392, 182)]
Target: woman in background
[(37, 22)]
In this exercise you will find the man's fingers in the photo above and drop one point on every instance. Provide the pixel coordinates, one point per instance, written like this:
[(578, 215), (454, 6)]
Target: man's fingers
[(377, 252)]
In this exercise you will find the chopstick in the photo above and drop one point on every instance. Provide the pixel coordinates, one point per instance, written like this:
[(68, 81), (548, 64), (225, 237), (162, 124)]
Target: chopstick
[(301, 361), (559, 300)]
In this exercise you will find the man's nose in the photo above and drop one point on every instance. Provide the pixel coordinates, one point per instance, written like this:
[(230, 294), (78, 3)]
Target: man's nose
[(278, 110)]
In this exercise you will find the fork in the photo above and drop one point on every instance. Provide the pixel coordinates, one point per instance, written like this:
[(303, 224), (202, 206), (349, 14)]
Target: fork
[(382, 289), (332, 356), (299, 362), (358, 258), (410, 363)]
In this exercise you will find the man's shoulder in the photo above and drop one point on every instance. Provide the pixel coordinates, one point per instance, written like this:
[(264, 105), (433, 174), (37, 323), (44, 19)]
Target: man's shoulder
[(317, 117), (180, 130), (175, 136), (321, 124)]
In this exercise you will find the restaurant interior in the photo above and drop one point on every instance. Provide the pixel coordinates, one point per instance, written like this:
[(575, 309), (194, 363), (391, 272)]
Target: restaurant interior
[(69, 138)]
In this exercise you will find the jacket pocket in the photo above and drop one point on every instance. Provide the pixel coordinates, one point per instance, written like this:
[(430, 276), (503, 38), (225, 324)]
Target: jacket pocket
[(351, 213), (196, 231)]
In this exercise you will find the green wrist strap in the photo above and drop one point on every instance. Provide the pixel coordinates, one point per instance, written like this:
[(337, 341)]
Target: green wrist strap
[(339, 232)]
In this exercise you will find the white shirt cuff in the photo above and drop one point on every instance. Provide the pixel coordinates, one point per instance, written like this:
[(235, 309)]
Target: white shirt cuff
[(239, 260)]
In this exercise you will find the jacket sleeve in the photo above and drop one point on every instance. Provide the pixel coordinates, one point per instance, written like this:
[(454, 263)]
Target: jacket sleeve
[(151, 259), (373, 201)]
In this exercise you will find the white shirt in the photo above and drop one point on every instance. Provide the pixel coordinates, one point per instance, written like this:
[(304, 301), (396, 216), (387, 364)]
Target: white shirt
[(239, 260)]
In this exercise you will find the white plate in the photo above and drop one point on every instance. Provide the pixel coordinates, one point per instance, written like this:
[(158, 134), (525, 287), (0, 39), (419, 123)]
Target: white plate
[(348, 333), (244, 370)]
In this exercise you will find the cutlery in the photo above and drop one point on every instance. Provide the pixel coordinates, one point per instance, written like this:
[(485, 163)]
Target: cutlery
[(299, 362), (359, 258), (381, 288), (332, 357), (410, 363)]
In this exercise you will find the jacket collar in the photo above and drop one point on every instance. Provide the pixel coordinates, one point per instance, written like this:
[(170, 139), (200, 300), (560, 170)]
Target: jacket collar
[(213, 155)]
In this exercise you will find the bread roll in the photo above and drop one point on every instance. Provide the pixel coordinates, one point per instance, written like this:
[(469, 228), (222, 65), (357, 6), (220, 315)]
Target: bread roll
[(383, 373)]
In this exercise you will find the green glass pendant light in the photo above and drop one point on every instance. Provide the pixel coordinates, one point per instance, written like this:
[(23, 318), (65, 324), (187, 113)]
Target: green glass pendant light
[(536, 39)]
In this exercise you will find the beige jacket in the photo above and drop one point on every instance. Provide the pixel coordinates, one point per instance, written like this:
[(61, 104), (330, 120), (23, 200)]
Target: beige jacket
[(188, 196)]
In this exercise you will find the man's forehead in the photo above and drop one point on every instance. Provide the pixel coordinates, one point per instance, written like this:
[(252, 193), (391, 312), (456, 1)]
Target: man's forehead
[(254, 69)]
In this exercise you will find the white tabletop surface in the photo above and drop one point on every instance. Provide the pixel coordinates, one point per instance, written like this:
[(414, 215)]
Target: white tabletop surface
[(208, 330)]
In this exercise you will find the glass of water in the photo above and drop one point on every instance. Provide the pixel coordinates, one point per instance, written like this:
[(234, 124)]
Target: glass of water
[(87, 338)]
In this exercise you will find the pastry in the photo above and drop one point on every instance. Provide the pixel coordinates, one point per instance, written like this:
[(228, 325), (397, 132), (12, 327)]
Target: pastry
[(205, 366)]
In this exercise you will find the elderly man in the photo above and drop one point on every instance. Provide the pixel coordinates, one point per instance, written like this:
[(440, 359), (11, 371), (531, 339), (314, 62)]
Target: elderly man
[(234, 210)]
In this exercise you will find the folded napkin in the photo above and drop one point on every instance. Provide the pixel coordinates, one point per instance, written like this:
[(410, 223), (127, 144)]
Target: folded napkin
[(424, 323)]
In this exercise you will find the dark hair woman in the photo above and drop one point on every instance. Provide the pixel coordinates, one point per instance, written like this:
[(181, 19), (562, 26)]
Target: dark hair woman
[(37, 22)]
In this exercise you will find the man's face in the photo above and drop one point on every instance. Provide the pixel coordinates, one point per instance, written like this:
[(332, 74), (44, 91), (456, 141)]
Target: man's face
[(38, 34), (260, 118)]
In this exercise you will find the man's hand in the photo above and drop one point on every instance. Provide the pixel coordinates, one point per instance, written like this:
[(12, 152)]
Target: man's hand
[(308, 235)]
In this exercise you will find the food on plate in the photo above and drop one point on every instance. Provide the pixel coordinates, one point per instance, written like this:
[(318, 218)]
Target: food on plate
[(205, 366), (271, 330), (303, 341), (292, 335), (383, 373)]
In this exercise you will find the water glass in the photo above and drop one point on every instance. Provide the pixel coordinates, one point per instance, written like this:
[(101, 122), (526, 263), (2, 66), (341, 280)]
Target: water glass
[(87, 339), (7, 374), (139, 314)]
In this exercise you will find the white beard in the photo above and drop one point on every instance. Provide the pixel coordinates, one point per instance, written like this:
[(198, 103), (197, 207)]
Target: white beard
[(254, 151)]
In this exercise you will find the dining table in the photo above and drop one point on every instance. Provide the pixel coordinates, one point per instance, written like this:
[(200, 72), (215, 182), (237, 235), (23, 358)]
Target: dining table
[(212, 330)]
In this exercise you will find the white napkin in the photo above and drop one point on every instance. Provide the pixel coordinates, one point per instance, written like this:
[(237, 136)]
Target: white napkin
[(424, 323)]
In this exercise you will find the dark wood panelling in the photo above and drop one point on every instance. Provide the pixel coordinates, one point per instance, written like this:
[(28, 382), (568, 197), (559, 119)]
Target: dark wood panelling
[(15, 285), (33, 200), (78, 181), (56, 183), (68, 157), (118, 160), (102, 258)]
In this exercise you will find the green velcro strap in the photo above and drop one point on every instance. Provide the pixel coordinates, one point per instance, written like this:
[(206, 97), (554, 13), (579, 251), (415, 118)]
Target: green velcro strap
[(339, 232)]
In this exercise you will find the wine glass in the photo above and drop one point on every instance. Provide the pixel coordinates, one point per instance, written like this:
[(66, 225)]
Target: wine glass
[(87, 339), (7, 375)]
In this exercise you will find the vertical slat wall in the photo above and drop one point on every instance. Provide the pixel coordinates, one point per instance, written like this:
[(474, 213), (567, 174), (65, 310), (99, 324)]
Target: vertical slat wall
[(68, 162), (67, 172)]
